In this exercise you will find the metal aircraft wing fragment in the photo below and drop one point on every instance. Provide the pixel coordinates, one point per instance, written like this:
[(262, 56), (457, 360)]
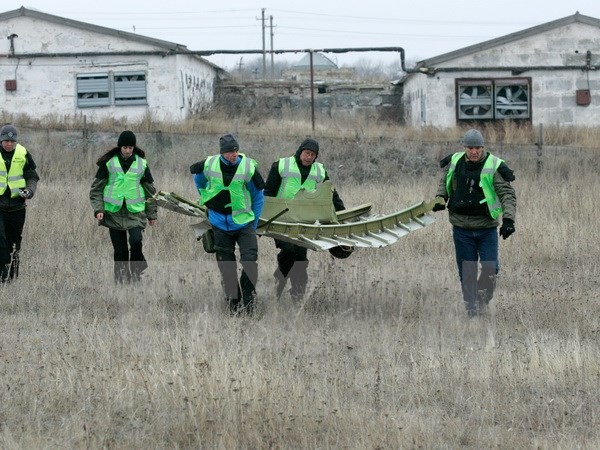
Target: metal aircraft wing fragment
[(305, 207), (368, 231), (351, 227), (176, 203)]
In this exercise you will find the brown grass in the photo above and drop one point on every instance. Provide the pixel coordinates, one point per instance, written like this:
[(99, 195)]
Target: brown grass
[(297, 122), (380, 356)]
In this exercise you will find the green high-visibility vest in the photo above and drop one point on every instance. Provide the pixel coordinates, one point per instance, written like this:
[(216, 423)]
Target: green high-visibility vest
[(486, 182), (241, 202), (125, 186), (13, 178), (291, 179)]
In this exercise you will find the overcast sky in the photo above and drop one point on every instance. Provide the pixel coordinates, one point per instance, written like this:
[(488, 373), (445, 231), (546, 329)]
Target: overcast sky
[(424, 28)]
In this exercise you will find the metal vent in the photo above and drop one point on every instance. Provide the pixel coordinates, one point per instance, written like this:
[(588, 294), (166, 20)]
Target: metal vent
[(475, 102), (512, 101)]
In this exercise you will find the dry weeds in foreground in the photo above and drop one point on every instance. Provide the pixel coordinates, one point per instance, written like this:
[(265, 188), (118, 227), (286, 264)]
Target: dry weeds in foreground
[(380, 356)]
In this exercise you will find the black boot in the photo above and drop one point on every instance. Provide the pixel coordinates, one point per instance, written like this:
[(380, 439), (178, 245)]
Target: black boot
[(248, 293), (13, 271), (4, 270)]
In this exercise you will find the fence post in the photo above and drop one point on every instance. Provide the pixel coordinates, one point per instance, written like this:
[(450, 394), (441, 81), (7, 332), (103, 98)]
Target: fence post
[(540, 145), (85, 134)]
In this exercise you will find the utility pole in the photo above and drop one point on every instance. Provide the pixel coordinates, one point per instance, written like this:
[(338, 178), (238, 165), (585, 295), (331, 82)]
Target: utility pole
[(312, 91), (264, 47), (272, 53), (240, 66)]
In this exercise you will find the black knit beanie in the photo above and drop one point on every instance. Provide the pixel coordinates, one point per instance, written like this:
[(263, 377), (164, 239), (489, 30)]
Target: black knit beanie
[(228, 143), (308, 144), (126, 139)]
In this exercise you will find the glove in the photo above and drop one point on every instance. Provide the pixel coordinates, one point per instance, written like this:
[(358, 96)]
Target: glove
[(507, 228), (26, 193), (439, 206)]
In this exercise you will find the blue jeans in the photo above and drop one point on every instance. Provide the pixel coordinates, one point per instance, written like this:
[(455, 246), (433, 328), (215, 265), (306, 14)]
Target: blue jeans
[(476, 248)]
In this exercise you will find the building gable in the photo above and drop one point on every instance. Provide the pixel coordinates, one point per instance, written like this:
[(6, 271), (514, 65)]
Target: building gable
[(507, 40), (71, 34)]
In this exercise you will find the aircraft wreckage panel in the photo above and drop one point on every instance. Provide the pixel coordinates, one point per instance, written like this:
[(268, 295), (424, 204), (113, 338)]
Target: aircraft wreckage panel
[(305, 207), (354, 228)]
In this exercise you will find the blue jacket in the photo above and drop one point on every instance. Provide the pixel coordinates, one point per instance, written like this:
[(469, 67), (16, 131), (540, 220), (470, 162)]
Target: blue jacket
[(255, 187)]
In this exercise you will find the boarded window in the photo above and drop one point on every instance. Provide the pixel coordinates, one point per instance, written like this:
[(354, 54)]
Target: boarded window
[(130, 88), (93, 90), (108, 88)]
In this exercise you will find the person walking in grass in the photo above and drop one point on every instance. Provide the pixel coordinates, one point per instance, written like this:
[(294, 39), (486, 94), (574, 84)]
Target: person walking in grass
[(477, 188), (286, 177), (231, 187), (18, 182), (119, 196)]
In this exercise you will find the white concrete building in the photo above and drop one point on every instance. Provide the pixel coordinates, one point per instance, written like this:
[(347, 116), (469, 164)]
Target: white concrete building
[(546, 74), (52, 66)]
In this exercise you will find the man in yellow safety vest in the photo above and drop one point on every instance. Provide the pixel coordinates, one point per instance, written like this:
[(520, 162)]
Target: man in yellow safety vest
[(231, 187), (286, 177), (476, 186), (18, 182)]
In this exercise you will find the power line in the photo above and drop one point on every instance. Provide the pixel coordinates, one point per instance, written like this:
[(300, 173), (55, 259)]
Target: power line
[(185, 15), (404, 20), (371, 33)]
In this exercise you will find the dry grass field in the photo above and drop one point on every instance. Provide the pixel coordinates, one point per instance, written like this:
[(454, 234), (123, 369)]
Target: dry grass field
[(381, 354)]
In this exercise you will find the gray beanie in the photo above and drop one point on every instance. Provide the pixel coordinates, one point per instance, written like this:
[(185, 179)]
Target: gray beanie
[(473, 138), (228, 143), (8, 133)]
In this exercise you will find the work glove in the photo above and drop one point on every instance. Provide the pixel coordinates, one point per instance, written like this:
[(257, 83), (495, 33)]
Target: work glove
[(26, 193), (507, 228), (439, 206)]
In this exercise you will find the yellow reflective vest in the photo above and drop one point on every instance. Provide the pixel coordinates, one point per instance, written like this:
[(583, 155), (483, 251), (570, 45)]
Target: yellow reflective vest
[(291, 179), (13, 178), (241, 202), (125, 186), (486, 182)]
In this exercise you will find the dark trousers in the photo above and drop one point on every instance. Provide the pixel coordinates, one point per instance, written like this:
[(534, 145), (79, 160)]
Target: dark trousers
[(225, 242), (292, 263), (476, 248), (11, 230), (129, 259)]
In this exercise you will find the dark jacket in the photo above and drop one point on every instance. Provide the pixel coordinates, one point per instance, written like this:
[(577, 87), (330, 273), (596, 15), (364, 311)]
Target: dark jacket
[(274, 182), (31, 179), (122, 219), (478, 218), (219, 207)]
